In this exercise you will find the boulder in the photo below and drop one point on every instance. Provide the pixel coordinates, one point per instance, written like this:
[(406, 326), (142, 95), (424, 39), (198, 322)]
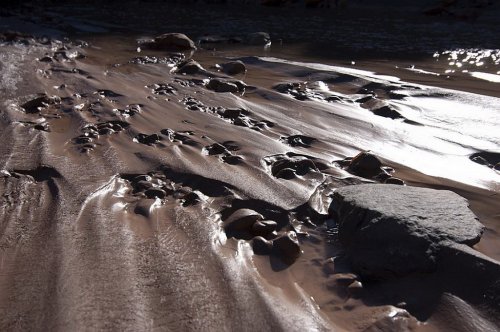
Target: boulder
[(172, 42), (390, 230)]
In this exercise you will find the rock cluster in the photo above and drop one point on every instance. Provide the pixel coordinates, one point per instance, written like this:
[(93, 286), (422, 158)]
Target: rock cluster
[(248, 224)]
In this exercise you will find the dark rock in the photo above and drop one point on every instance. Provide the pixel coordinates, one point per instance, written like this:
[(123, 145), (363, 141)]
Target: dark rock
[(264, 227), (261, 246), (42, 127), (497, 167), (191, 198), (190, 67), (42, 100), (148, 139), (393, 180), (172, 42), (155, 193), (234, 67), (215, 149), (240, 222), (287, 247), (258, 38), (388, 112), (143, 185), (286, 173), (219, 85), (392, 230), (365, 164), (231, 159), (298, 140), (106, 131)]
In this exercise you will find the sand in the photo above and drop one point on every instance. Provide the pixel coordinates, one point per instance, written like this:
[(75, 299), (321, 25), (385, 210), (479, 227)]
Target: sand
[(118, 174)]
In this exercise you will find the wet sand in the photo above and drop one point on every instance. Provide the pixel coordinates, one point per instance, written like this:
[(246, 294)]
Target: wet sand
[(119, 176)]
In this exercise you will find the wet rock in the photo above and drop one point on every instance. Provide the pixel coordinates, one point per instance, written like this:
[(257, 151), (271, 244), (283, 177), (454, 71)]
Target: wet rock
[(219, 85), (143, 185), (365, 164), (191, 198), (240, 222), (41, 101), (287, 247), (231, 159), (391, 230), (42, 127), (190, 67), (233, 67), (298, 140), (258, 38), (387, 112), (155, 193), (148, 139), (172, 42), (286, 173), (264, 227), (215, 149), (261, 246), (289, 167)]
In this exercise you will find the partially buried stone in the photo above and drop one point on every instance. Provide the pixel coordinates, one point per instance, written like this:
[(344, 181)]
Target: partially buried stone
[(219, 85), (172, 42), (241, 220), (264, 227), (365, 164), (190, 67), (391, 230), (261, 246), (287, 247), (387, 112), (233, 67), (155, 193)]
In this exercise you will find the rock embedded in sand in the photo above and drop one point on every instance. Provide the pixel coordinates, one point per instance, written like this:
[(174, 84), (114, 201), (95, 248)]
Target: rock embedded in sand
[(219, 85), (155, 193), (240, 222), (365, 164), (233, 67), (390, 230), (190, 67), (387, 112), (261, 246), (264, 227), (287, 247), (172, 42)]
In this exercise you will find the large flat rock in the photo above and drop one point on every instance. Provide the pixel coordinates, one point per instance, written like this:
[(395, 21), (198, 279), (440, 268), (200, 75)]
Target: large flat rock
[(394, 230)]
